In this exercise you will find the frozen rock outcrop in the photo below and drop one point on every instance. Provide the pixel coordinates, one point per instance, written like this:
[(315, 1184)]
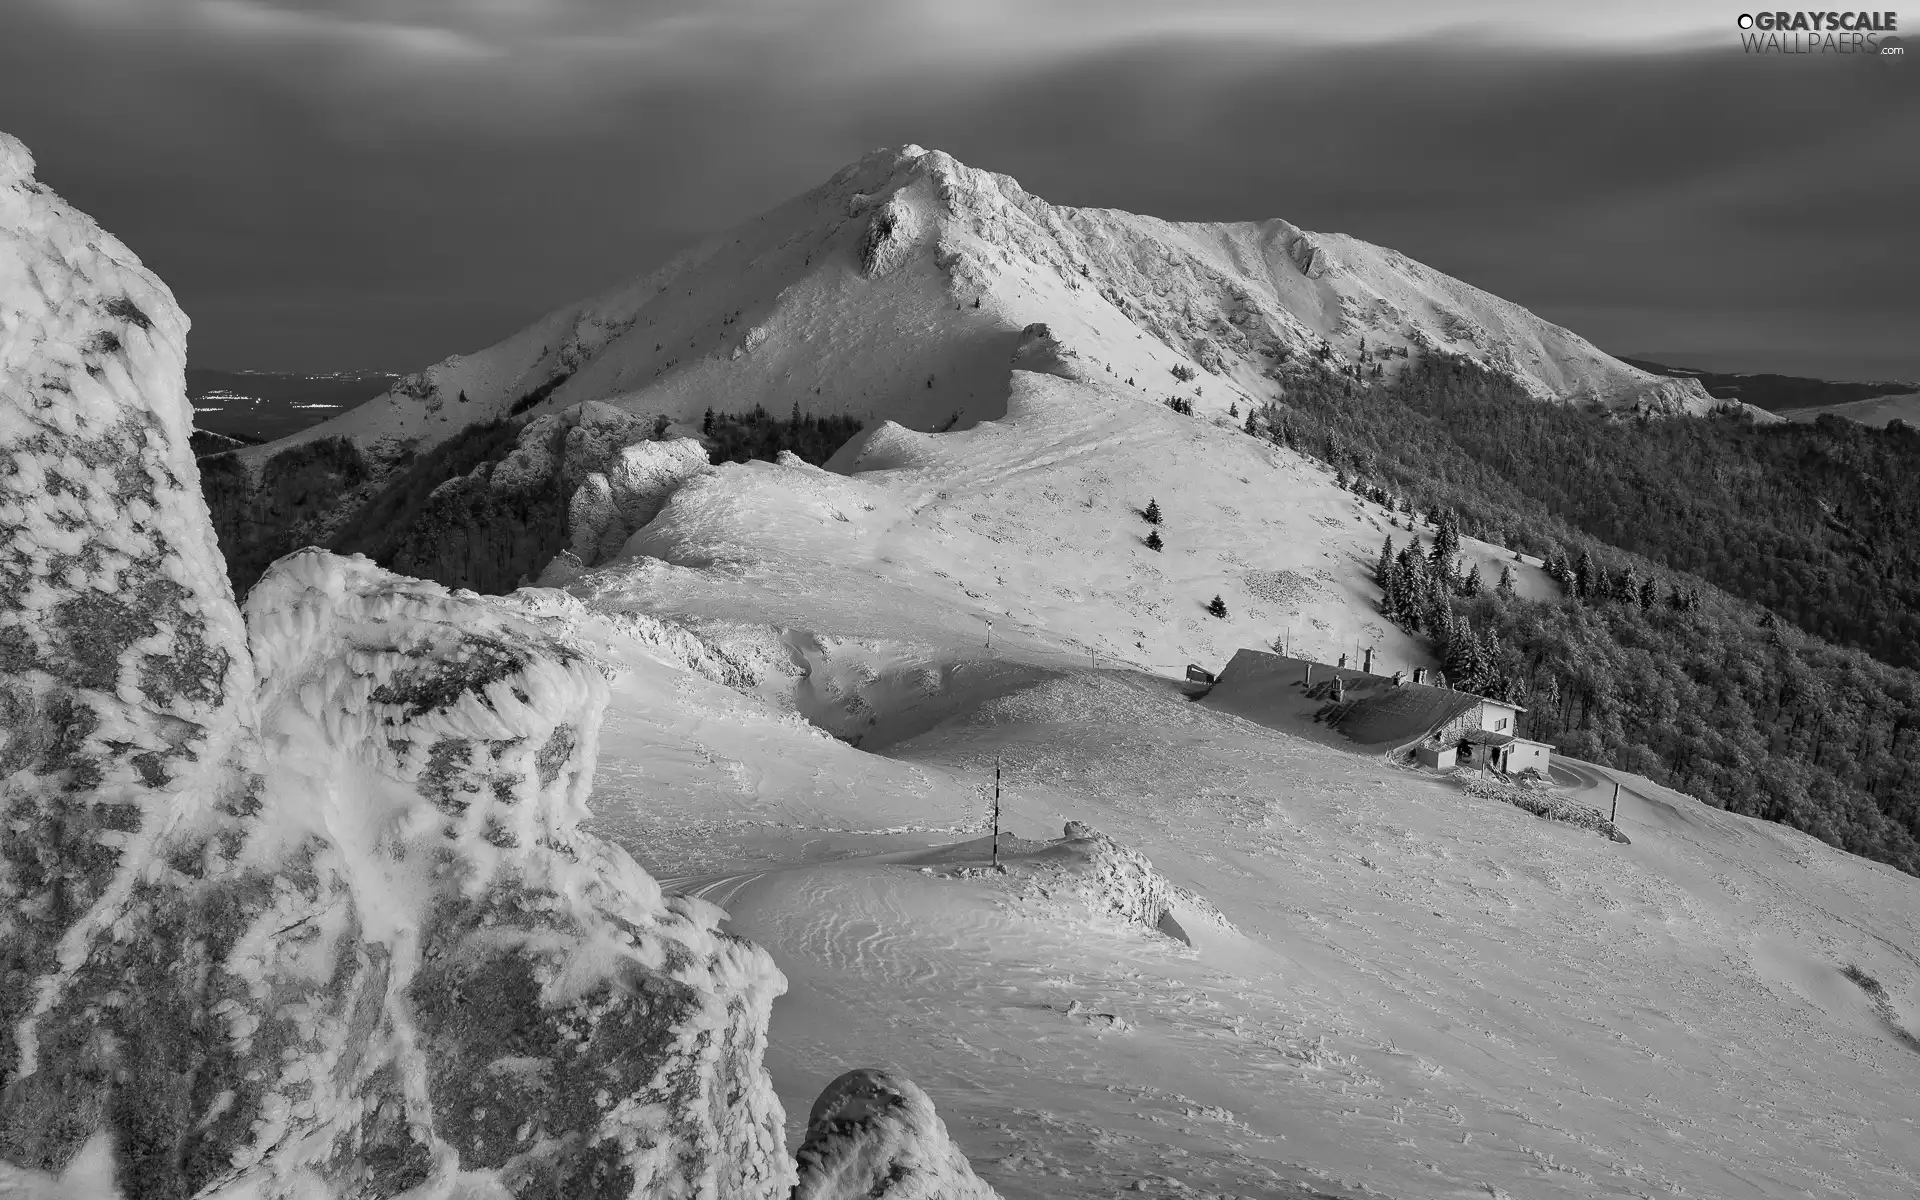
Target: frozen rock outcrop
[(873, 1135), (1040, 351), (636, 484), (302, 906), (890, 236), (125, 692), (558, 487)]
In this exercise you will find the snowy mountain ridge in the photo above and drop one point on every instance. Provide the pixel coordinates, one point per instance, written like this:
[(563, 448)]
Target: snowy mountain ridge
[(896, 289)]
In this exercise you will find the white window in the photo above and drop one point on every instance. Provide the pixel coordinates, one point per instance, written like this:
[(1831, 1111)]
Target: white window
[(1500, 724)]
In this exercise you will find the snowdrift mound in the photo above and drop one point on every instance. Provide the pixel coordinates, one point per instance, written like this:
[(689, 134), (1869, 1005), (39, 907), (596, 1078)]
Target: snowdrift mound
[(1120, 880), (327, 927), (873, 1135), (1110, 880)]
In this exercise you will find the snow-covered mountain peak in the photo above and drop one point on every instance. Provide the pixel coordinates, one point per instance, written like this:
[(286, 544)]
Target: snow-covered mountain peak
[(16, 161), (897, 289)]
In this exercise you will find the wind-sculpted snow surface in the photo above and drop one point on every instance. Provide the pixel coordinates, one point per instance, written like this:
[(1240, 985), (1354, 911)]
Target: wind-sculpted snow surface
[(327, 927), (873, 1135)]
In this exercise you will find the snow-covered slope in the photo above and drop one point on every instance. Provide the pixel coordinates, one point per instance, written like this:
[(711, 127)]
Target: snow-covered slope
[(1390, 986), (1023, 531), (898, 289)]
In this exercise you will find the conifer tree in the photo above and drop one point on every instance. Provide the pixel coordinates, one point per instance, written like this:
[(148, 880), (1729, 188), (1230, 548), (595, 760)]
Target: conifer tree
[(1583, 575), (1153, 540), (1152, 512), (1446, 545), (1504, 589), (1649, 595), (1383, 569), (1218, 608), (1470, 583), (706, 425)]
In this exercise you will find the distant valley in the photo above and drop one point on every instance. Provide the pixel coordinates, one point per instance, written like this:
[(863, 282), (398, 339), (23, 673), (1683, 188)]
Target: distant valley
[(245, 408)]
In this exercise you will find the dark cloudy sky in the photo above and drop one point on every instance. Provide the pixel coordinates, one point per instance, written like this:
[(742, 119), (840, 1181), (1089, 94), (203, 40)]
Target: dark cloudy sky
[(381, 183)]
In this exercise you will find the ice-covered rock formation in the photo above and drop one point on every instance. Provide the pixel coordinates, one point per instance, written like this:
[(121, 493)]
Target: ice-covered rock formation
[(302, 906), (873, 1135), (125, 700), (609, 505), (581, 479)]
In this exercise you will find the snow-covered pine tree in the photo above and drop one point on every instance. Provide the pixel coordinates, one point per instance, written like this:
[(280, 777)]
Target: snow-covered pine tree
[(1470, 583)]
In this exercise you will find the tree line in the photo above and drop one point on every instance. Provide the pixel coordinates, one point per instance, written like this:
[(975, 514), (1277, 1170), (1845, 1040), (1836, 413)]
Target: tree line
[(1640, 663)]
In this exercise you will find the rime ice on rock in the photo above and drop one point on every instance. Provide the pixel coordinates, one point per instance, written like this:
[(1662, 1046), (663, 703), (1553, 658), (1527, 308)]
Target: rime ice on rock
[(873, 1135), (331, 927), (639, 480), (124, 676)]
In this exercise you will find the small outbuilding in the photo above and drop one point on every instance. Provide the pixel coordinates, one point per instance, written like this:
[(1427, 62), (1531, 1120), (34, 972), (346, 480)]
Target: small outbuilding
[(1502, 752), (1437, 757)]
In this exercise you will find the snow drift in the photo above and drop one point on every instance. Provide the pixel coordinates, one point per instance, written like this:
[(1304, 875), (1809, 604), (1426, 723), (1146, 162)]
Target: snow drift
[(302, 906)]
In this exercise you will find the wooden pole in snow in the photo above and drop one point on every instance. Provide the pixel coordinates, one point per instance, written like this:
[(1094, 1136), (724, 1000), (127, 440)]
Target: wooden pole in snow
[(996, 812), (1616, 802)]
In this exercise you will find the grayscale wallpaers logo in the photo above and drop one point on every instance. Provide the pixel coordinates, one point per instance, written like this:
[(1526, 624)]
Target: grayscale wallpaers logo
[(1869, 34)]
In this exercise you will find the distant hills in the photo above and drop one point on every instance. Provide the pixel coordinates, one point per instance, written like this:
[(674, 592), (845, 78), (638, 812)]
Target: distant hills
[(1783, 394)]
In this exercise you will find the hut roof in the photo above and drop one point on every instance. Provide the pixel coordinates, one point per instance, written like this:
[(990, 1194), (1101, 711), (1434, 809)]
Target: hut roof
[(1374, 711)]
